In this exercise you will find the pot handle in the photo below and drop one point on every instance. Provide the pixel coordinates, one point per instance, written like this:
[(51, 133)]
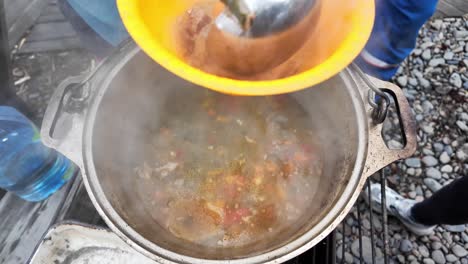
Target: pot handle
[(379, 155), (62, 127)]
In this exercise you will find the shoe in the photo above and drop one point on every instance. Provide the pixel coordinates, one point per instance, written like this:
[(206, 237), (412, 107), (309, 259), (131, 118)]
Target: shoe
[(397, 206)]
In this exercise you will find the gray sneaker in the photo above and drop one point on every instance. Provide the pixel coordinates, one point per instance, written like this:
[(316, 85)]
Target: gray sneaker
[(399, 207)]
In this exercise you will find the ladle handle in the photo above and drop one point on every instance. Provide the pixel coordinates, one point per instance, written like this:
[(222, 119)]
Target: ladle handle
[(379, 155), (62, 127)]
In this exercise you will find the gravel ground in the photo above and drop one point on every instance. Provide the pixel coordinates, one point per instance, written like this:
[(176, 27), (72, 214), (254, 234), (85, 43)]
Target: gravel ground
[(435, 81)]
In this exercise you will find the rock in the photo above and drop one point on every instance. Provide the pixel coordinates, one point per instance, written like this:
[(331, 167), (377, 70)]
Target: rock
[(448, 55), (424, 83), (429, 152), (413, 162), (444, 158), (429, 161), (436, 245), (432, 184), (462, 125), (366, 249), (411, 171), (455, 228), (428, 261), (427, 106), (443, 89), (436, 24), (436, 62), (459, 251), (461, 34), (451, 258), (448, 238), (426, 45), (461, 155), (423, 251), (428, 129), (426, 55), (406, 246), (455, 79), (403, 80), (447, 169), (438, 257), (464, 237), (417, 52), (434, 173), (438, 147), (393, 144), (348, 257), (412, 195), (413, 82)]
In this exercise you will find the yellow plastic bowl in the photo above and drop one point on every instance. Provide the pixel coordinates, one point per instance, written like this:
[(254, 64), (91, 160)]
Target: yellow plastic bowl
[(342, 31)]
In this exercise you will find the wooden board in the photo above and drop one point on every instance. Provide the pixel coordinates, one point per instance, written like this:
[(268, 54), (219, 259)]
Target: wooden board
[(451, 8), (20, 16), (23, 224)]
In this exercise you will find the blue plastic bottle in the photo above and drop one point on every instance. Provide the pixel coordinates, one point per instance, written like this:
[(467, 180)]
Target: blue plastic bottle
[(27, 167)]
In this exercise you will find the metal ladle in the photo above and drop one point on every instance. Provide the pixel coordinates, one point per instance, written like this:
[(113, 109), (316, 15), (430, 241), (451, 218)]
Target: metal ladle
[(258, 35), (261, 18)]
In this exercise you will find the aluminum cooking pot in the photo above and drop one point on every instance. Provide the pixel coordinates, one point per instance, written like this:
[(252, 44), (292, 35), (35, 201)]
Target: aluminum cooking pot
[(101, 123)]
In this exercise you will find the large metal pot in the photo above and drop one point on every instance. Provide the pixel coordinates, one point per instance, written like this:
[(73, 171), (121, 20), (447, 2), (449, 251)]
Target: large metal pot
[(99, 122)]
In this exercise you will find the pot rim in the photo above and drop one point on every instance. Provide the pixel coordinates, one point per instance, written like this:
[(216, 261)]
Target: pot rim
[(299, 245)]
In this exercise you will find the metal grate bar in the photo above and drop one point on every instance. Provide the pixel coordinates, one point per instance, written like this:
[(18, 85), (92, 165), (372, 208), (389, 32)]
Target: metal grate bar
[(371, 216), (384, 215), (359, 232)]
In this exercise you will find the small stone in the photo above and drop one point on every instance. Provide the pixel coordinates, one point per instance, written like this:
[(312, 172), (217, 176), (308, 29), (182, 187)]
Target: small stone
[(436, 24), (426, 45), (412, 195), (393, 144), (426, 55), (423, 251), (464, 237), (436, 62), (411, 171), (366, 249), (413, 162), (429, 161), (461, 34), (455, 79), (447, 169), (462, 125), (413, 82), (455, 228), (444, 158), (436, 245), (428, 129), (417, 52), (438, 147), (406, 246), (459, 251), (434, 173), (427, 106), (448, 238), (448, 55), (424, 83), (462, 155), (451, 258), (348, 257), (438, 257), (429, 152), (402, 80), (428, 261), (432, 184)]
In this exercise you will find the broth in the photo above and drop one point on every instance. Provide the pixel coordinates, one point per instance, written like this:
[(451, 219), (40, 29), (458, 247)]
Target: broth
[(229, 171)]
